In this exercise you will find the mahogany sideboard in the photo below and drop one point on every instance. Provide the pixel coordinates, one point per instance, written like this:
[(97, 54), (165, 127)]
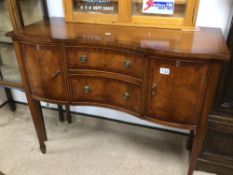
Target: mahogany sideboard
[(160, 75)]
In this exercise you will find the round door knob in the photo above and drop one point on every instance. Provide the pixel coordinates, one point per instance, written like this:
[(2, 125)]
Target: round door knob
[(126, 96), (83, 59), (86, 89)]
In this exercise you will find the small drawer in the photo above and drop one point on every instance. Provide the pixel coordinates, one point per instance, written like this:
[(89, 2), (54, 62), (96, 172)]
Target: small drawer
[(106, 91), (106, 60)]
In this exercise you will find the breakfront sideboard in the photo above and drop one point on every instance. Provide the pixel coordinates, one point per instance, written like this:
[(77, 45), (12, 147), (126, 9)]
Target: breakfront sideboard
[(163, 76)]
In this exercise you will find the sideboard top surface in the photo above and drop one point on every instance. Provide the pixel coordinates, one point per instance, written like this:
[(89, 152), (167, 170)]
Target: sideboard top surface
[(208, 43)]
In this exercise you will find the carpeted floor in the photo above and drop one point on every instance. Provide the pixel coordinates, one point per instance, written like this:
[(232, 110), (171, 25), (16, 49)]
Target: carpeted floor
[(89, 146)]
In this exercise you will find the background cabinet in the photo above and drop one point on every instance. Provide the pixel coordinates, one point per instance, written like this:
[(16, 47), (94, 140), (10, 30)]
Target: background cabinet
[(133, 12), (9, 73), (15, 14)]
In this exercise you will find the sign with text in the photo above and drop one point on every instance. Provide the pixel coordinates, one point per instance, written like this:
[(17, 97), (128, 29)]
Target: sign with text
[(160, 7), (164, 71), (99, 6)]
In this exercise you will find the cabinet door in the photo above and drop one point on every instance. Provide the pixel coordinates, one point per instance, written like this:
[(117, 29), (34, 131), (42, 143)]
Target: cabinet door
[(176, 90), (44, 71)]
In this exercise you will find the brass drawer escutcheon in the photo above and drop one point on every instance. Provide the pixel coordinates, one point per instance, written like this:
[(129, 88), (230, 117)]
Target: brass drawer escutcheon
[(126, 64), (84, 59), (37, 47), (86, 89), (126, 96)]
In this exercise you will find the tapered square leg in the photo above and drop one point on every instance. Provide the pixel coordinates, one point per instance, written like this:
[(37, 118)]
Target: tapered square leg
[(68, 115), (42, 118), (60, 112), (196, 149), (38, 121), (43, 148), (189, 143), (10, 99)]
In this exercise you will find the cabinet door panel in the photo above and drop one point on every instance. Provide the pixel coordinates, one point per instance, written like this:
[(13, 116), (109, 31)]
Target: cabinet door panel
[(44, 71), (176, 89)]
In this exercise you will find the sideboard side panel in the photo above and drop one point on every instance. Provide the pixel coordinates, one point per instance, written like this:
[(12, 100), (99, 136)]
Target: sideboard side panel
[(206, 107)]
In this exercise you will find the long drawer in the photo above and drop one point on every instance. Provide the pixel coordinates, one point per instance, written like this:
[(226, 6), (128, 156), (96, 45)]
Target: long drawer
[(126, 63), (106, 91)]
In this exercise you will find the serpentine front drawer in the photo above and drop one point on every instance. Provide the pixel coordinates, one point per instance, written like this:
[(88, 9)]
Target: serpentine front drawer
[(126, 63), (98, 90)]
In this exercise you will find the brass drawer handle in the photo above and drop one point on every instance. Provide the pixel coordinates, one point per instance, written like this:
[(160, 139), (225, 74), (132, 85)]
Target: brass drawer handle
[(54, 75), (126, 96), (37, 47), (86, 89), (126, 64), (83, 59)]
